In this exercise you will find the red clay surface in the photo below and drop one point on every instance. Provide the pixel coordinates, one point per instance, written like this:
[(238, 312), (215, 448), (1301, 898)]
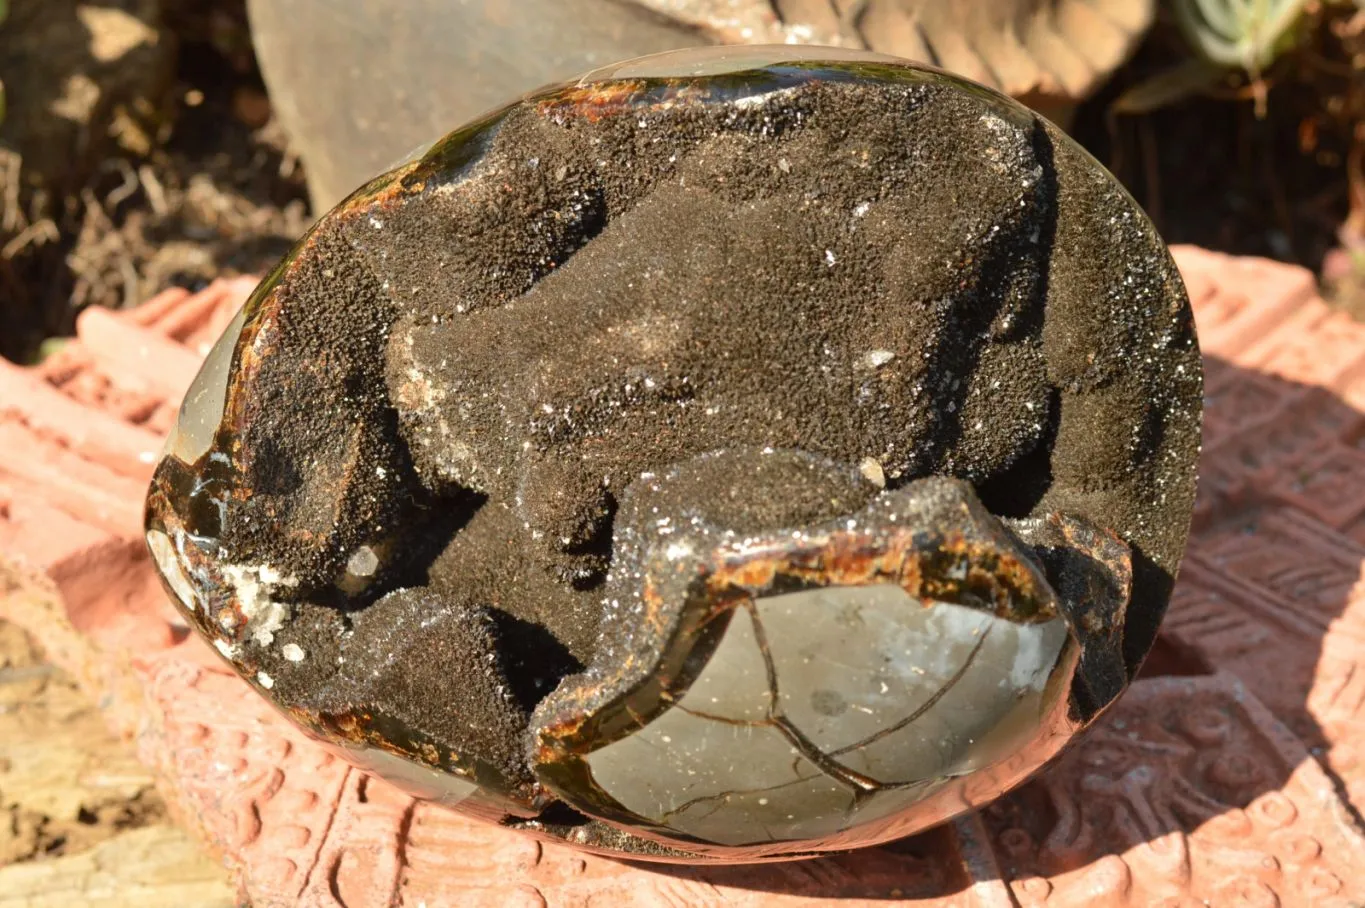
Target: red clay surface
[(1233, 774)]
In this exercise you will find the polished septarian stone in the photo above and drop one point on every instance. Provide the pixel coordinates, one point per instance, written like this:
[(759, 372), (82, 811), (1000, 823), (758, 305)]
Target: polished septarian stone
[(614, 401)]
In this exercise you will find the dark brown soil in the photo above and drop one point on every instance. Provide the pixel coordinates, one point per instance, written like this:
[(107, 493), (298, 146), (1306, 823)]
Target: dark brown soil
[(1286, 182), (174, 175)]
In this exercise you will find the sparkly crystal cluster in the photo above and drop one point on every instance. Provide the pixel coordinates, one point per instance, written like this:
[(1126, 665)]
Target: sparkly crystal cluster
[(731, 455)]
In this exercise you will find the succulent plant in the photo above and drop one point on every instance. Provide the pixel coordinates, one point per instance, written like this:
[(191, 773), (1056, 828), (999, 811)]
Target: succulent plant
[(1238, 33)]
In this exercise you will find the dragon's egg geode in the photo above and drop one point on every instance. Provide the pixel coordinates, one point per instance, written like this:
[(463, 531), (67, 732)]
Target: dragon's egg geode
[(730, 455)]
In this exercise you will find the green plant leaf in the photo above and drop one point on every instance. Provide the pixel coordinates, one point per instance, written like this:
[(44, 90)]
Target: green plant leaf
[(1243, 33)]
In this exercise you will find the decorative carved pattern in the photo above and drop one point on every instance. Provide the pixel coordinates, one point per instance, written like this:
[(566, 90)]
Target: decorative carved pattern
[(1190, 790)]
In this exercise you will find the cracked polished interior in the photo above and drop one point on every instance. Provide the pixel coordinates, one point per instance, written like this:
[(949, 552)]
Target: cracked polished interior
[(822, 708), (728, 456)]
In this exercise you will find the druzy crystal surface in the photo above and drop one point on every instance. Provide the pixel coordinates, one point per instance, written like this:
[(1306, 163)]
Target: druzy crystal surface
[(729, 455)]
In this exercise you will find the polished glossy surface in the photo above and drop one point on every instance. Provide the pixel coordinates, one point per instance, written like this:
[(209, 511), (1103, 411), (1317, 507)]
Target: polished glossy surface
[(879, 699)]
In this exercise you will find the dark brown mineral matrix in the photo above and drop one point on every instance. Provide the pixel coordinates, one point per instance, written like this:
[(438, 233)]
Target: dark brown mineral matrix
[(469, 363)]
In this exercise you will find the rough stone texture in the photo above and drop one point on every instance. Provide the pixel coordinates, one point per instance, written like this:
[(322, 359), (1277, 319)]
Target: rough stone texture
[(1194, 788)]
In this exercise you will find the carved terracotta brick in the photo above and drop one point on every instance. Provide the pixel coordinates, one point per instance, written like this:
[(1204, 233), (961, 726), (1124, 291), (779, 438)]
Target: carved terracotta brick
[(1238, 787), (1191, 791)]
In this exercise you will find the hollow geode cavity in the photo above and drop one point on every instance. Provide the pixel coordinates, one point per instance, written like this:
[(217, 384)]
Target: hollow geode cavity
[(730, 455)]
